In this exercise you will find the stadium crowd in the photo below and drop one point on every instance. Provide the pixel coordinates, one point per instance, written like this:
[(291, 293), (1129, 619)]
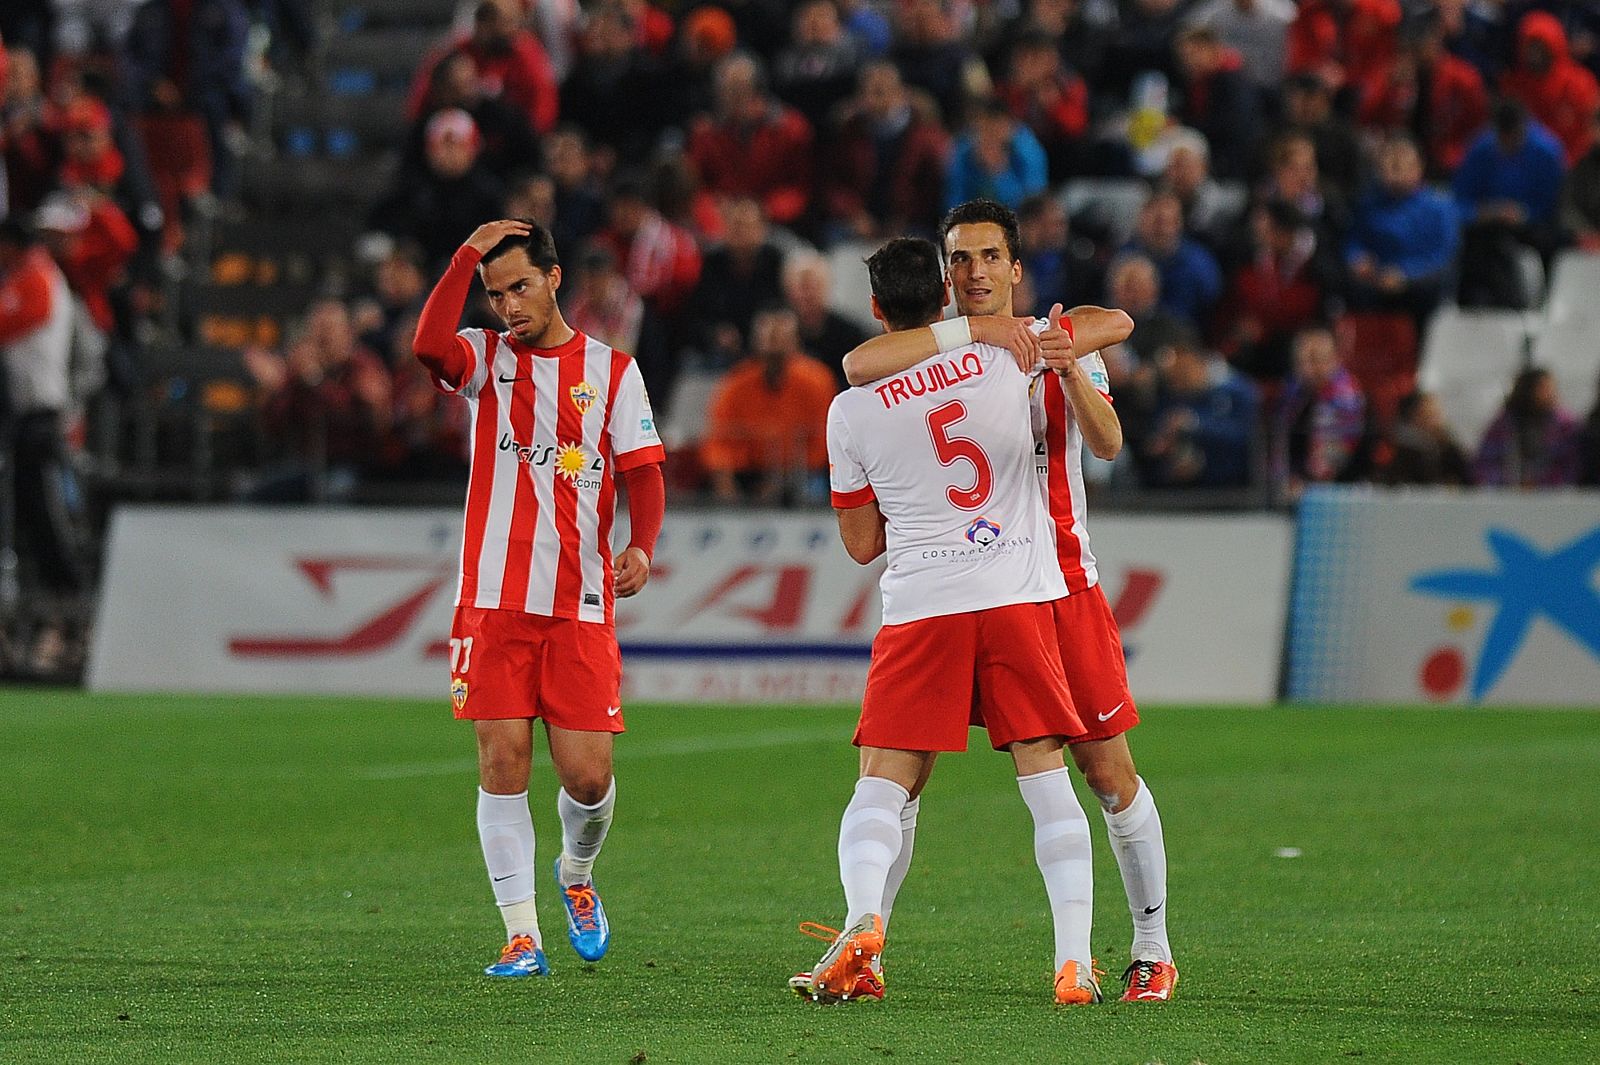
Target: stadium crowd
[(1313, 181)]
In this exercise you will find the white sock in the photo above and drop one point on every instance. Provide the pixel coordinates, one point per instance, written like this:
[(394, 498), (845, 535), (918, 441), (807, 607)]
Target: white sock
[(902, 861), (869, 842), (1061, 847), (1142, 856), (505, 828), (583, 830)]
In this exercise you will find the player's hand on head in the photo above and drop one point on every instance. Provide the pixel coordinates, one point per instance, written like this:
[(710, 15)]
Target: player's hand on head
[(632, 571), (489, 234)]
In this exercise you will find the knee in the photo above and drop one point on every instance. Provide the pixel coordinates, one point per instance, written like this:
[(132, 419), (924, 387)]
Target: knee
[(589, 788), (503, 766), (1114, 783)]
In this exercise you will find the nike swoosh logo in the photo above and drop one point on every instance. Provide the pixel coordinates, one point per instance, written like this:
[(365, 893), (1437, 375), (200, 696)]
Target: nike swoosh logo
[(613, 711), (1148, 910), (1154, 994), (512, 380), (1113, 712), (497, 879)]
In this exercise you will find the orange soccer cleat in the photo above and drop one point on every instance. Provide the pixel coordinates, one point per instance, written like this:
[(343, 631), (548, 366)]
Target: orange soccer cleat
[(1077, 986), (1150, 981), (845, 970)]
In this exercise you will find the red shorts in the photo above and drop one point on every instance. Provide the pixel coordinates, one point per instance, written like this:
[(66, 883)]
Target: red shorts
[(507, 664), (930, 679), (1091, 654)]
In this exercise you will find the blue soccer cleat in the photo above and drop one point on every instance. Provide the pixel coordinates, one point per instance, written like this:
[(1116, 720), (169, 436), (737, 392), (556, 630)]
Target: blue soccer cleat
[(520, 957), (587, 928)]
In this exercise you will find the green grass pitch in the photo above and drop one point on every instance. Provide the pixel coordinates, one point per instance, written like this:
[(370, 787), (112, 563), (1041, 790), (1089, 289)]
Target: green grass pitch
[(250, 879)]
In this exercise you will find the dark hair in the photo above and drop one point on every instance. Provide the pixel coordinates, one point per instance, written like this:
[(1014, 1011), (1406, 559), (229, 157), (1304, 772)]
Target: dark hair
[(1510, 118), (1285, 215), (992, 211), (539, 244), (1521, 404), (908, 281), (16, 232), (1406, 409)]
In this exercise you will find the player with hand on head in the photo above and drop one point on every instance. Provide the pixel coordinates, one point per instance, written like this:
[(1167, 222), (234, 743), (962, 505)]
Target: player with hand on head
[(935, 466), (556, 416), (1071, 409)]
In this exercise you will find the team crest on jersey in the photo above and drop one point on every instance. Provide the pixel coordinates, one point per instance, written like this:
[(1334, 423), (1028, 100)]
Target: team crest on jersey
[(983, 532), (458, 692), (583, 396)]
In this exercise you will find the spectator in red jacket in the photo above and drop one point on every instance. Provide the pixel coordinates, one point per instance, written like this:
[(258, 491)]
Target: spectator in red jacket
[(885, 171), (752, 145), (660, 260), (1425, 88), (511, 64), (1051, 99), (1558, 91), (1218, 100), (1345, 41), (1274, 295), (91, 240)]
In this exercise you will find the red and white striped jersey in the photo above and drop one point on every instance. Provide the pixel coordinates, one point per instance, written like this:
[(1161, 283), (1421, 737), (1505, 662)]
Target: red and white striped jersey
[(1058, 459), (550, 429)]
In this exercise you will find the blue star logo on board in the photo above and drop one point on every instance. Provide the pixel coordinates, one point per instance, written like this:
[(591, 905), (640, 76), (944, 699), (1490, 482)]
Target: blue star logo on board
[(583, 396), (1526, 584), (458, 692), (983, 532)]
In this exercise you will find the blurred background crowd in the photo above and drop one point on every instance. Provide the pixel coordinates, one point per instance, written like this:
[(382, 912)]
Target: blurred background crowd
[(1360, 239)]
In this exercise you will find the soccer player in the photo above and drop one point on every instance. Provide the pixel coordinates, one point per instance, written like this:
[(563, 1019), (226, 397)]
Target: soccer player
[(556, 415), (1071, 409), (934, 465)]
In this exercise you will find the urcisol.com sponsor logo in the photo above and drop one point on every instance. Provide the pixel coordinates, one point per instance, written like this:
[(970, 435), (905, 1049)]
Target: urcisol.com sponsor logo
[(571, 461)]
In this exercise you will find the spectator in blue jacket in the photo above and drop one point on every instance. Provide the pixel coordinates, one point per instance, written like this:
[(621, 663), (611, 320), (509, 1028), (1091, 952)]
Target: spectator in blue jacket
[(1508, 192), (1200, 428), (997, 158), (1191, 280), (1404, 240)]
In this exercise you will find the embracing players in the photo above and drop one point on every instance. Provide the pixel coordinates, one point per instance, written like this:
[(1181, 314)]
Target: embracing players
[(943, 454), (1071, 408), (556, 415)]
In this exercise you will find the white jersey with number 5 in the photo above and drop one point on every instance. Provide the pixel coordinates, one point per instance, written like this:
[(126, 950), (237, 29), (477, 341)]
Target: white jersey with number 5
[(946, 449)]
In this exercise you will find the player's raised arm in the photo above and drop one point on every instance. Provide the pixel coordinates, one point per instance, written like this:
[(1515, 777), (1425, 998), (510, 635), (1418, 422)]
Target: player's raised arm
[(890, 353), (436, 345)]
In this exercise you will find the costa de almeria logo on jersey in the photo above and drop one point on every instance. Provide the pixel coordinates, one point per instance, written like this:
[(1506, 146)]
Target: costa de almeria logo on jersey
[(983, 532), (583, 396)]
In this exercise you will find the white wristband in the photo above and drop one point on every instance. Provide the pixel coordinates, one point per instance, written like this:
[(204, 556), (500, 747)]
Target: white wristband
[(951, 333)]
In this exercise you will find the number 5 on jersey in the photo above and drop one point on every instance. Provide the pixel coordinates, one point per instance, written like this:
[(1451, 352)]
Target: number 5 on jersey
[(952, 449)]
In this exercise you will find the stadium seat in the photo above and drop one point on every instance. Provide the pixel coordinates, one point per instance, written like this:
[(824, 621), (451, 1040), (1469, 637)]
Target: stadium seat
[(1380, 349), (1468, 361), (1570, 350), (851, 284), (1110, 205), (1574, 284)]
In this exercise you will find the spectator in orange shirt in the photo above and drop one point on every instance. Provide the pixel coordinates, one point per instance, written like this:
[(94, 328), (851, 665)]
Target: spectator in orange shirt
[(768, 419)]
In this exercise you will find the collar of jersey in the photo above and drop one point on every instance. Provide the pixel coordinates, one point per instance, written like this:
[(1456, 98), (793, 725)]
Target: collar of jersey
[(571, 347)]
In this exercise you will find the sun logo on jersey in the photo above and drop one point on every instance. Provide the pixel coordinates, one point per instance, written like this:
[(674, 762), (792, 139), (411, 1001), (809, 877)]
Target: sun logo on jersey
[(570, 461), (583, 396), (458, 692), (983, 532)]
